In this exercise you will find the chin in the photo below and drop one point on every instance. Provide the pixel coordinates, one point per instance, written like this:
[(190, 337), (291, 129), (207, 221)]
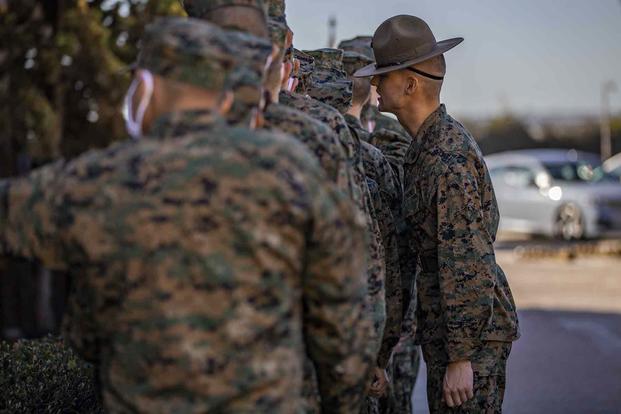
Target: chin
[(383, 108)]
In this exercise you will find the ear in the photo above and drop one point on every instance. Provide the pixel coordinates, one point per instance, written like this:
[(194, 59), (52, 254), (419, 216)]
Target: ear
[(411, 84), (226, 103), (152, 102)]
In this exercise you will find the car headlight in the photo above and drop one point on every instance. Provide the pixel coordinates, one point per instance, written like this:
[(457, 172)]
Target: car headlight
[(555, 193)]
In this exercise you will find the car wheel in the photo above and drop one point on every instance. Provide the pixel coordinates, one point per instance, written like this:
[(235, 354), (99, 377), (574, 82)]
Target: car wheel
[(569, 223)]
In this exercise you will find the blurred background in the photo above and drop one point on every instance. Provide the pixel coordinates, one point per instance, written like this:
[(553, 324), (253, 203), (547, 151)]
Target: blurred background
[(537, 82)]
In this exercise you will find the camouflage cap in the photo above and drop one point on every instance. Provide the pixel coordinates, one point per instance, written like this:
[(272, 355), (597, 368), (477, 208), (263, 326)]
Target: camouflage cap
[(360, 44), (200, 53), (199, 8), (276, 10), (327, 58), (352, 61), (307, 67), (328, 81), (187, 50), (278, 33)]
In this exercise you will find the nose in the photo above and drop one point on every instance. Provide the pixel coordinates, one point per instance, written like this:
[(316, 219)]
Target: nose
[(375, 81)]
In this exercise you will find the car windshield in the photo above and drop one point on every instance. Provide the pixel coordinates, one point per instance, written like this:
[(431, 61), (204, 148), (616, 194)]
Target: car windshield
[(579, 171)]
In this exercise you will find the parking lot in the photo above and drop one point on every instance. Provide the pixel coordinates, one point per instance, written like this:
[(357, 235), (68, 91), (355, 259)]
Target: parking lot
[(569, 300)]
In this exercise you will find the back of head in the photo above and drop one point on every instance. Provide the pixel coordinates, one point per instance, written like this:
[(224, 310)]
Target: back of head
[(435, 66)]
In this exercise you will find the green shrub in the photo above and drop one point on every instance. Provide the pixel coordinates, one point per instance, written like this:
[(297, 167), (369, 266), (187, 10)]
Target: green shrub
[(45, 376)]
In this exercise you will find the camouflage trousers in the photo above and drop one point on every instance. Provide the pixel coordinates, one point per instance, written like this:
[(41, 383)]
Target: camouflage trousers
[(371, 406), (311, 401), (403, 371), (489, 364)]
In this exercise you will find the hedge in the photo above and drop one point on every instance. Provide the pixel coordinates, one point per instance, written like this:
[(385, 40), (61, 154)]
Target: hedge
[(45, 376)]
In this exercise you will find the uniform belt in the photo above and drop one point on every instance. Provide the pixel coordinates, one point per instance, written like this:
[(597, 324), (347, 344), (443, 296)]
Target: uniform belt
[(429, 264)]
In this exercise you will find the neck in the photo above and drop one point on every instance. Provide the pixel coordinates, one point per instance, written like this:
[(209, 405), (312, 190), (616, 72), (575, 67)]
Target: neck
[(275, 94), (414, 115), (355, 111)]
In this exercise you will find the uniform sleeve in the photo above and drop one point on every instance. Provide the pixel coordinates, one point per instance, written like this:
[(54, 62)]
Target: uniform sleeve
[(394, 146), (336, 328), (28, 217), (393, 285), (465, 262)]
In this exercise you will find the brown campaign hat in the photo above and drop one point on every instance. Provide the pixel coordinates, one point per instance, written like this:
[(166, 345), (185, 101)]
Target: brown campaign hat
[(403, 41)]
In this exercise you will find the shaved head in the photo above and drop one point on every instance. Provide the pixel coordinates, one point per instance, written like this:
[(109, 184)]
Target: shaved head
[(435, 66)]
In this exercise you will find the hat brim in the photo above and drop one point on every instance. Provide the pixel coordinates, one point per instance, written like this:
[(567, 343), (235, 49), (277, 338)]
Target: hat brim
[(441, 47)]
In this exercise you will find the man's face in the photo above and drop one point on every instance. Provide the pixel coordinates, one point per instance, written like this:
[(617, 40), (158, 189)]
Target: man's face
[(390, 89)]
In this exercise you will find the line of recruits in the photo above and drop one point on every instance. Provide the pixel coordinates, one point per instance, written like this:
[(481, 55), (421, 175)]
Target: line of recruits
[(246, 251)]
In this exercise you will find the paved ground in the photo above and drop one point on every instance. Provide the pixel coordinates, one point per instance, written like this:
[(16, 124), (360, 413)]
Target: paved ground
[(569, 358)]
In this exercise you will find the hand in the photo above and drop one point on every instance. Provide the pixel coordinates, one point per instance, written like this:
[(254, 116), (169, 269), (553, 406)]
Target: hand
[(380, 383), (458, 383)]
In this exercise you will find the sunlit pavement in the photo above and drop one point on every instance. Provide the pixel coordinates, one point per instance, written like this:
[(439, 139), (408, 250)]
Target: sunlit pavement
[(569, 357)]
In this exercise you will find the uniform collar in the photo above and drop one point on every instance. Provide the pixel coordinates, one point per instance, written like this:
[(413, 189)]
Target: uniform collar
[(180, 123), (353, 122), (433, 119)]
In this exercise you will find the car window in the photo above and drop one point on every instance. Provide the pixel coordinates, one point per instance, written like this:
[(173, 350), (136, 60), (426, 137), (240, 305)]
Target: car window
[(579, 171), (514, 176)]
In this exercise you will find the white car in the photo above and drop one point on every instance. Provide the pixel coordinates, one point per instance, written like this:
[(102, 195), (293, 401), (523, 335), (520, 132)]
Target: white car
[(555, 192)]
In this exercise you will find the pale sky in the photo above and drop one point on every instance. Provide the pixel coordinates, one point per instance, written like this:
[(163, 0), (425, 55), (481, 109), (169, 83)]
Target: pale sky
[(533, 57)]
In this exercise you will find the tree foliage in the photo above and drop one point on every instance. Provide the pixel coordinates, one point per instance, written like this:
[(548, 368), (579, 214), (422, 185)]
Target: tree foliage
[(63, 74)]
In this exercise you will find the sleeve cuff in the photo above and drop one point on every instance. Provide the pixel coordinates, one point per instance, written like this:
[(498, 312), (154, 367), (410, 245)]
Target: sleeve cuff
[(462, 349)]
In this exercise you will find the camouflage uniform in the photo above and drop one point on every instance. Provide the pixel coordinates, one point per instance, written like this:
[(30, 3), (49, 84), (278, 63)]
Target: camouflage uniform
[(465, 309), (390, 137), (329, 85), (315, 135), (361, 192), (307, 66), (386, 197), (209, 259)]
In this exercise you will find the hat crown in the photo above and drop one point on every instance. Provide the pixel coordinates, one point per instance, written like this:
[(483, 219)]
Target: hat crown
[(402, 38)]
